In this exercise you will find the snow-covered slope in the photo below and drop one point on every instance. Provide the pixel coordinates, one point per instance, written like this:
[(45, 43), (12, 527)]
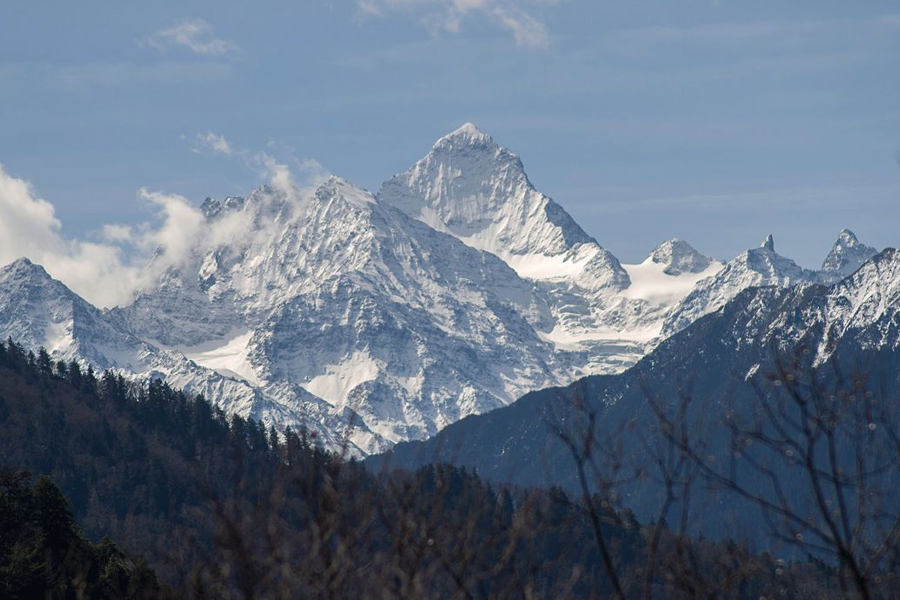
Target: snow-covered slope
[(39, 311), (359, 305), (669, 273), (477, 191), (865, 306), (631, 318)]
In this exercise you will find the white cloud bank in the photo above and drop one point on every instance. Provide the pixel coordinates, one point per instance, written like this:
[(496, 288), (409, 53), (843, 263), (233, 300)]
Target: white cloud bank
[(109, 271), (448, 15), (194, 34), (106, 273), (29, 227)]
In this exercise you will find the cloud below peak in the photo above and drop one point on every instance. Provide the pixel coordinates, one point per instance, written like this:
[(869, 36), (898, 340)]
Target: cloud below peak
[(118, 260), (29, 227)]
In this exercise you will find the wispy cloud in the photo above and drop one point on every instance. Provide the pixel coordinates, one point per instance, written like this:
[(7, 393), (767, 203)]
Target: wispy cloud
[(527, 30), (513, 16), (194, 34), (783, 197), (211, 142), (276, 172)]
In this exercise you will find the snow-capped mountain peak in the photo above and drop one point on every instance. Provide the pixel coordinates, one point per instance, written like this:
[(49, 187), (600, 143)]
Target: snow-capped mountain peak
[(336, 186), (768, 243), (212, 208), (469, 134), (38, 310), (866, 303), (477, 191), (846, 256), (678, 257), (23, 269)]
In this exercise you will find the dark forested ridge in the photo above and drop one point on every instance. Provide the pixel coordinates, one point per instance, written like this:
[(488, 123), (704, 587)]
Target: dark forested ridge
[(220, 507), (42, 553)]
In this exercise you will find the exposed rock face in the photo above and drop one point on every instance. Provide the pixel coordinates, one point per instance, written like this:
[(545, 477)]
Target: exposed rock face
[(846, 256)]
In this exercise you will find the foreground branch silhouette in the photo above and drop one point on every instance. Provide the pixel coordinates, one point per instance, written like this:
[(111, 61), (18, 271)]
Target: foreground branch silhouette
[(815, 459)]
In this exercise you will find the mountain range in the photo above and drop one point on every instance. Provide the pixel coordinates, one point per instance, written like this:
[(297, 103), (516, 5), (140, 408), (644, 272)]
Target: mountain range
[(372, 319), (748, 388)]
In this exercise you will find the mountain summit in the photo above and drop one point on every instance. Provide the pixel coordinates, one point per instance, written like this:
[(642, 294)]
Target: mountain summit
[(468, 133), (846, 256), (679, 257), (477, 191), (37, 310)]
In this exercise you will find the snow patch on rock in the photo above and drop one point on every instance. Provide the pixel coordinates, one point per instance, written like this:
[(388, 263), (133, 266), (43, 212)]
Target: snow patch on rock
[(337, 381)]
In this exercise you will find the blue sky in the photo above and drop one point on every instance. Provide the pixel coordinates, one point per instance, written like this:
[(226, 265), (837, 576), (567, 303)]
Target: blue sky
[(717, 122)]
